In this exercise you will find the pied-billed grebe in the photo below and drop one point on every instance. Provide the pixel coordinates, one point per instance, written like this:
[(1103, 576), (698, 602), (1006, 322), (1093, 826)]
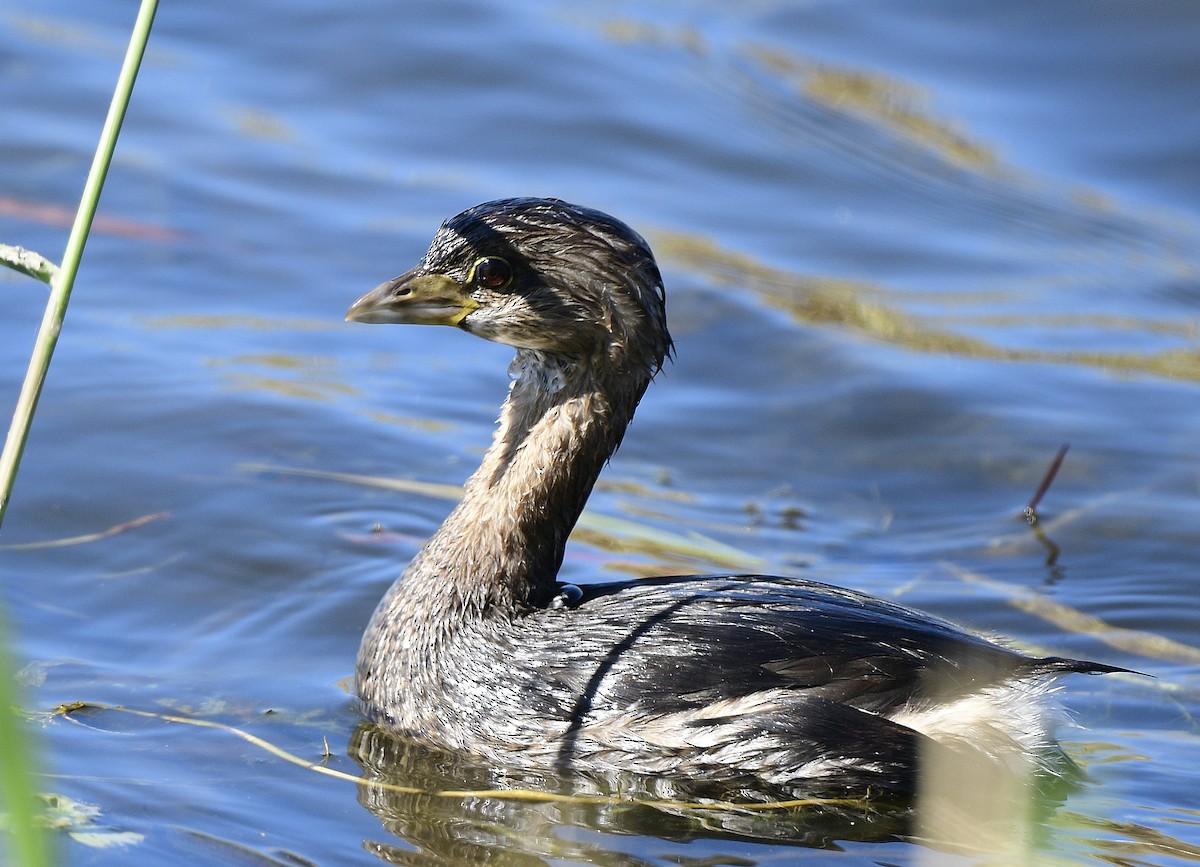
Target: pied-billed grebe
[(478, 648)]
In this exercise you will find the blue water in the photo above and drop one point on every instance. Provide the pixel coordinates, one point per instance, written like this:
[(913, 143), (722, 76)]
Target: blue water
[(910, 249)]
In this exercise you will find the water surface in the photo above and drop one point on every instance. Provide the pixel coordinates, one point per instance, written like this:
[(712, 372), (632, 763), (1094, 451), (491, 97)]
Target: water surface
[(911, 249)]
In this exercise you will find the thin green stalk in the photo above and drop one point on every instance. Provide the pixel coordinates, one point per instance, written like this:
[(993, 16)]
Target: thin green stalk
[(27, 839), (28, 262), (64, 280)]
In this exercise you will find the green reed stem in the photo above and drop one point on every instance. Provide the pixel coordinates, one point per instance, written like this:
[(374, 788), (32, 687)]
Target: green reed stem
[(27, 839), (28, 262), (64, 280)]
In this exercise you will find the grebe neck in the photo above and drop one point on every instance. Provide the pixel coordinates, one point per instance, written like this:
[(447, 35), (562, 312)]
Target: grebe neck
[(500, 549)]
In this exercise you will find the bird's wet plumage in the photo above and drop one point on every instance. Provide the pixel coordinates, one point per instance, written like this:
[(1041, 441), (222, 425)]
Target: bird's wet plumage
[(477, 647)]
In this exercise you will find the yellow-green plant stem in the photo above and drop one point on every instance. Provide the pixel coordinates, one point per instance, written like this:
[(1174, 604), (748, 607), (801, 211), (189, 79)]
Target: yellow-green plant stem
[(64, 280), (27, 839), (28, 262)]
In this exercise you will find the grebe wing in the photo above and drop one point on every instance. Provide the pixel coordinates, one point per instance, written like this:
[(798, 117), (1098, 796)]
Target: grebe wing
[(692, 641)]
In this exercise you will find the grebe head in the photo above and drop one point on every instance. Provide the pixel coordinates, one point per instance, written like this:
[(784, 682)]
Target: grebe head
[(537, 274)]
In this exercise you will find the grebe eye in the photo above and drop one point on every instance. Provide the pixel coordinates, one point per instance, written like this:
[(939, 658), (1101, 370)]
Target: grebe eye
[(492, 272)]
